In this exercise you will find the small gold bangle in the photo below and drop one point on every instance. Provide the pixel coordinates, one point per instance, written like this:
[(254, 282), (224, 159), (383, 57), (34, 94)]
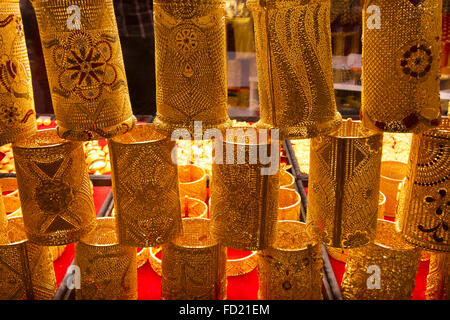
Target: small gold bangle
[(192, 181), (155, 262), (289, 204), (142, 257), (241, 266), (287, 180)]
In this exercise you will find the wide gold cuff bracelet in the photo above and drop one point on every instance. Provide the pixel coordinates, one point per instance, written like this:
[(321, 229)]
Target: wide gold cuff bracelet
[(292, 268), (85, 69), (295, 79), (383, 270), (145, 186), (401, 57), (108, 270), (193, 265), (244, 198), (424, 206), (17, 115), (54, 188), (344, 182), (191, 72), (26, 270)]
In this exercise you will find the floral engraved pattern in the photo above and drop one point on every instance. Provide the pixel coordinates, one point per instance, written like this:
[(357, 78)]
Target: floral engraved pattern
[(53, 196), (416, 61), (187, 40), (439, 205)]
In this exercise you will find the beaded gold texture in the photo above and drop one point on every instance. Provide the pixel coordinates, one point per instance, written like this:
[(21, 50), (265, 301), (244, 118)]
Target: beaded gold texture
[(191, 75), (54, 187), (424, 205), (344, 186), (26, 270), (193, 265), (438, 278), (397, 262), (401, 57), (85, 68), (17, 115), (108, 270), (295, 79), (145, 186), (292, 268)]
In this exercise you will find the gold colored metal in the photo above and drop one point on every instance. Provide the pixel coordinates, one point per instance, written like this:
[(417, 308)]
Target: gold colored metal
[(155, 262), (381, 205), (85, 68), (145, 187), (292, 268), (55, 191), (241, 266), (192, 181), (26, 270), (288, 205), (17, 115), (193, 208), (295, 77), (191, 74), (193, 265), (344, 186), (108, 270), (389, 262), (244, 202), (401, 50), (392, 175), (287, 180), (142, 257), (10, 186), (3, 219), (423, 213), (438, 278)]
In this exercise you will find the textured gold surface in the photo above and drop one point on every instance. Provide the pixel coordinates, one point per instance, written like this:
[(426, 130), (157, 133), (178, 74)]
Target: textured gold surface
[(193, 266), (288, 204), (438, 278), (292, 268), (26, 270), (344, 186), (241, 266), (287, 180), (398, 262), (54, 186), (401, 65), (295, 79), (145, 186), (192, 181), (191, 75), (108, 270), (3, 219), (85, 68), (17, 115), (423, 213), (244, 202), (391, 177)]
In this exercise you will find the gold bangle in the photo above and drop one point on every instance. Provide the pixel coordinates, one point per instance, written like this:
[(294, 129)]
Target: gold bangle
[(424, 204), (26, 269), (289, 205), (241, 266), (300, 103), (3, 218), (109, 270), (155, 262), (287, 180), (244, 211), (193, 208), (54, 186), (190, 48), (381, 205), (193, 265), (142, 257), (85, 68), (438, 278), (385, 269), (143, 220), (344, 186), (17, 115), (292, 268), (401, 65), (9, 185), (391, 177), (192, 181)]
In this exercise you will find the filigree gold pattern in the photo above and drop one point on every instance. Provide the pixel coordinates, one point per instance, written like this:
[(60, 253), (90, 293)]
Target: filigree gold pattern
[(401, 65), (292, 268), (344, 186), (191, 79), (145, 186), (54, 186), (397, 262), (293, 50), (17, 115), (85, 69), (424, 203), (438, 278), (26, 270), (108, 270), (193, 265)]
